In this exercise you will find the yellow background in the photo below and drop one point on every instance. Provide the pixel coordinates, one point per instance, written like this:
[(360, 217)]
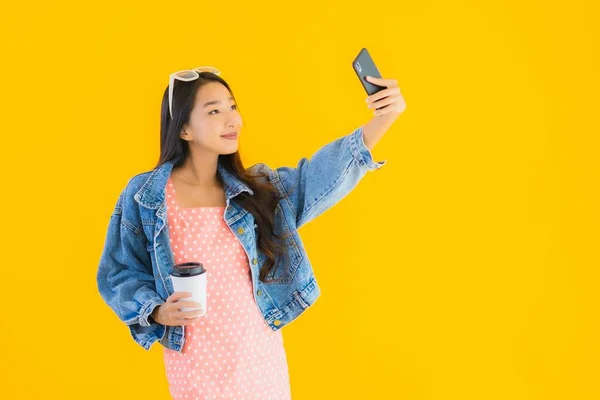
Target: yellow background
[(466, 268)]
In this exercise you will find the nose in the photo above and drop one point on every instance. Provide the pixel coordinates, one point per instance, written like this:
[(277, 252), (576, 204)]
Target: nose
[(234, 121)]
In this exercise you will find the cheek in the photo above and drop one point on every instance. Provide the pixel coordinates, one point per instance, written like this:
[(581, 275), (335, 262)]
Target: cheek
[(207, 126), (208, 130)]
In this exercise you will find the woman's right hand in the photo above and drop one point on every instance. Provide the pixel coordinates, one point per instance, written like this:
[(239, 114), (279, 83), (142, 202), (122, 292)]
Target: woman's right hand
[(170, 314)]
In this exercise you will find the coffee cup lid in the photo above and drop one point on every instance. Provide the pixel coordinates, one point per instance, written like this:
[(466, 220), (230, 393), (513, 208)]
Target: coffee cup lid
[(188, 269)]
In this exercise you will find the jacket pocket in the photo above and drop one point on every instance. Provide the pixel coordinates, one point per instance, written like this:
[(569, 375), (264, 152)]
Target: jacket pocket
[(150, 246)]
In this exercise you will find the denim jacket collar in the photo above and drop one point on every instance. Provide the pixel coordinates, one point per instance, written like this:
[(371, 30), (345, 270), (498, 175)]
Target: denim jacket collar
[(152, 193)]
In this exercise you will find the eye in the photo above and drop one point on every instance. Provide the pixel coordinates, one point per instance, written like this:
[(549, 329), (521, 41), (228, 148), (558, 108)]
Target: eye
[(234, 107)]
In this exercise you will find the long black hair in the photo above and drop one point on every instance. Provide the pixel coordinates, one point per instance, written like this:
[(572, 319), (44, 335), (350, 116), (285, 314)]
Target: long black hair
[(261, 204)]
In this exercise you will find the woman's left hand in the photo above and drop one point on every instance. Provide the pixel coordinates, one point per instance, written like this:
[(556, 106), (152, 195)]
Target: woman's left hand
[(390, 98)]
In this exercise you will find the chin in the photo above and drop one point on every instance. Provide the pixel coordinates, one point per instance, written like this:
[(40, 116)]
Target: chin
[(227, 152)]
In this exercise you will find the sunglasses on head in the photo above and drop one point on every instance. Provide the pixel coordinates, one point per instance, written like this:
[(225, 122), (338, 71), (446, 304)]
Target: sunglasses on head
[(186, 75)]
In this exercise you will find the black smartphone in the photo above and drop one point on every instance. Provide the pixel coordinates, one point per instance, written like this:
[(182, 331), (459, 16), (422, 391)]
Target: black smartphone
[(364, 66)]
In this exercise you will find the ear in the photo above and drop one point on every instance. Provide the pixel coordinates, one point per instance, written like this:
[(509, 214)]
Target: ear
[(185, 136)]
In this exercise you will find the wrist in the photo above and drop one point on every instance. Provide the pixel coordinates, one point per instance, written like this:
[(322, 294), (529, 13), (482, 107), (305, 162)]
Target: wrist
[(154, 313)]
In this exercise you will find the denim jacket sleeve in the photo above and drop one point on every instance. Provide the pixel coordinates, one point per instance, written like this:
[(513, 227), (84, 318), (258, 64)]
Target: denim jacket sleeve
[(318, 183), (125, 278)]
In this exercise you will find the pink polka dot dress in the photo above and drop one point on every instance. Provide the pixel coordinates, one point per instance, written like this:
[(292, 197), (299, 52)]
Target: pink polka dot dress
[(229, 353)]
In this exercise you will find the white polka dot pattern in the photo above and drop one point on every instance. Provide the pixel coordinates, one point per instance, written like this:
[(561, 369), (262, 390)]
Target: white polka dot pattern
[(229, 353)]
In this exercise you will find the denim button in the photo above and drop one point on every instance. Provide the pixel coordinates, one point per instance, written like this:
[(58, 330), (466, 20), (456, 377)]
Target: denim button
[(259, 292), (277, 322), (241, 230), (254, 261)]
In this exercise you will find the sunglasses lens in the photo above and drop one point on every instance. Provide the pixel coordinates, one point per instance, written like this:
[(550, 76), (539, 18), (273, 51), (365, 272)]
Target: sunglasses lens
[(186, 74)]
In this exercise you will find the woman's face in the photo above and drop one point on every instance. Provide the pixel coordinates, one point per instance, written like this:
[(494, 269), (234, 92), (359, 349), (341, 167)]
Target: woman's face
[(214, 115)]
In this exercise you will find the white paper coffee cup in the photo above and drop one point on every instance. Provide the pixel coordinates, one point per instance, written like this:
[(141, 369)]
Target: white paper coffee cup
[(191, 277)]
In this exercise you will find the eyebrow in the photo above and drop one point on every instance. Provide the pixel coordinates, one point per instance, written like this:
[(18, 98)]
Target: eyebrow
[(210, 103)]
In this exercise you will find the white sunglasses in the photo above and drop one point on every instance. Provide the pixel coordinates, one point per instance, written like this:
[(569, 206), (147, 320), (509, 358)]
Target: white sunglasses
[(186, 75)]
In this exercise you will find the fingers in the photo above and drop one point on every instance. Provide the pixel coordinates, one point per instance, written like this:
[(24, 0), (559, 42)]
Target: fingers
[(383, 93), (188, 304), (387, 101), (173, 314), (382, 111), (178, 295), (184, 309), (384, 102), (382, 82), (187, 322), (177, 317), (397, 107), (180, 317), (185, 315)]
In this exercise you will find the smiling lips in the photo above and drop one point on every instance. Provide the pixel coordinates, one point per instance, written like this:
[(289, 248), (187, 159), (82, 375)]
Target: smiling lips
[(231, 135)]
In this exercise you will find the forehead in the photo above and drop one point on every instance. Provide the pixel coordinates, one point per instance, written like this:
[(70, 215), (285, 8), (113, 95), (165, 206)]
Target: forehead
[(212, 91)]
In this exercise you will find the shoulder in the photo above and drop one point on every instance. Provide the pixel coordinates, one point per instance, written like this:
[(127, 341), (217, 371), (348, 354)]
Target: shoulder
[(130, 188), (135, 183)]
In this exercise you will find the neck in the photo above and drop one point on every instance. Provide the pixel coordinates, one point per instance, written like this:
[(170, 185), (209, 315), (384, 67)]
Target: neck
[(200, 170)]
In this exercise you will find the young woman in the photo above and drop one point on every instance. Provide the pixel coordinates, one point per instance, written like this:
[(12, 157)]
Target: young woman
[(201, 204)]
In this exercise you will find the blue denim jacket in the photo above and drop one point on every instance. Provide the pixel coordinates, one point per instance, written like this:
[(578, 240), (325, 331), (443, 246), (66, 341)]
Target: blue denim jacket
[(134, 271)]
